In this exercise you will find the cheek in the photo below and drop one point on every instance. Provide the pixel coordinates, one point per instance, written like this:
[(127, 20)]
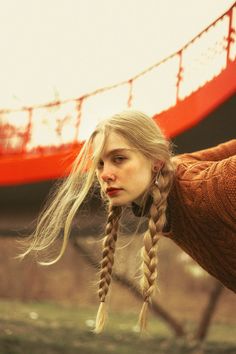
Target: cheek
[(98, 178), (144, 179), (146, 174), (140, 174)]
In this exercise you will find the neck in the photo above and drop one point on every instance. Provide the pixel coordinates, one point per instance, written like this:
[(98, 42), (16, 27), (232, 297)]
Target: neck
[(141, 206)]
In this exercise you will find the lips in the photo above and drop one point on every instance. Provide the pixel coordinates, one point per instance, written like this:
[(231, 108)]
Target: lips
[(113, 191), (110, 189)]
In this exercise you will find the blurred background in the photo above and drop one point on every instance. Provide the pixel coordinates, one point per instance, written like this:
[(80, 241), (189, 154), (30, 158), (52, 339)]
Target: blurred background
[(64, 66)]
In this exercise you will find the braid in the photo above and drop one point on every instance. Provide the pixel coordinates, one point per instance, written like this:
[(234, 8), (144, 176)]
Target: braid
[(149, 250), (109, 244)]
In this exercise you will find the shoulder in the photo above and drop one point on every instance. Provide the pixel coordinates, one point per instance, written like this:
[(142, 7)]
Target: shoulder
[(190, 170), (216, 153), (209, 186), (187, 168)]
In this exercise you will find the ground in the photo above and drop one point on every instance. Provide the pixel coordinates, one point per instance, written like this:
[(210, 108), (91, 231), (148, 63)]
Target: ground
[(52, 328)]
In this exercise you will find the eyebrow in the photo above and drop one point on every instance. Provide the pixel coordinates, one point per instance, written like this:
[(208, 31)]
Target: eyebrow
[(115, 151)]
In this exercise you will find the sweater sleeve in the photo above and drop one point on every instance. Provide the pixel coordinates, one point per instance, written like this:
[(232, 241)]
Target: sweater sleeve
[(217, 153), (202, 207)]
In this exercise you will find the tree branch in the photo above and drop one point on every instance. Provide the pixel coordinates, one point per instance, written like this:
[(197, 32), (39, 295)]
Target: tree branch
[(175, 326), (209, 311)]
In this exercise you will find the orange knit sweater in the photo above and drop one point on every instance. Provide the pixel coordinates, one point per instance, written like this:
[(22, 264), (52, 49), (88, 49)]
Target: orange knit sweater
[(202, 207)]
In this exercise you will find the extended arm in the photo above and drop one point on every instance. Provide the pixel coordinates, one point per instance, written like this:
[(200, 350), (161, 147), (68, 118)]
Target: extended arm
[(216, 153)]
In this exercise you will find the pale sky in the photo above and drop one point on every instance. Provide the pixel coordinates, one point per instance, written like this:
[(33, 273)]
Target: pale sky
[(71, 47)]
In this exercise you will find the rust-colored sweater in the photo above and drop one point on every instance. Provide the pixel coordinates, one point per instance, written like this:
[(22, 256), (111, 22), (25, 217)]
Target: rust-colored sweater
[(202, 206)]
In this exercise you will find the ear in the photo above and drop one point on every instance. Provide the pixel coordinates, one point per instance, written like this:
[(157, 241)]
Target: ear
[(157, 165)]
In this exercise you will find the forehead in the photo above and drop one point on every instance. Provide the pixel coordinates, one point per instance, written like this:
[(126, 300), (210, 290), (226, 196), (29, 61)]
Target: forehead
[(114, 141)]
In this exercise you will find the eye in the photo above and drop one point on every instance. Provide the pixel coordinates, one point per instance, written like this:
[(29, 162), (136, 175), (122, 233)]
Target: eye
[(100, 165), (119, 159)]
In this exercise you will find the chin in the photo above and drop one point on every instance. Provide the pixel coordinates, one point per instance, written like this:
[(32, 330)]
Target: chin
[(114, 202)]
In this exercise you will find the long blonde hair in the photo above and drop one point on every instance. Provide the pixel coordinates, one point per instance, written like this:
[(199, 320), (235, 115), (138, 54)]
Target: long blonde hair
[(141, 132)]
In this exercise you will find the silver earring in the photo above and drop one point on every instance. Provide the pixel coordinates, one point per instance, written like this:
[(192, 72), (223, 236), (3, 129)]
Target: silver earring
[(156, 182)]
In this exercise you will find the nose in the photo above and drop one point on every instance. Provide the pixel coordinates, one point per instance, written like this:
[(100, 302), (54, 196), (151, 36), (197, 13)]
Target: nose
[(107, 175)]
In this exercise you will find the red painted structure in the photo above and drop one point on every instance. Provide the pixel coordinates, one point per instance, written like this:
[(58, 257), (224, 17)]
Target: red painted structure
[(21, 165)]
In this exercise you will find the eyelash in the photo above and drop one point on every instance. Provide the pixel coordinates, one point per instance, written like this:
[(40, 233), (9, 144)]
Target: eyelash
[(119, 159), (100, 165), (115, 159)]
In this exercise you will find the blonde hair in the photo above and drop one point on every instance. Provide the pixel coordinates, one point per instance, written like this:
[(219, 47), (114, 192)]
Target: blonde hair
[(141, 132)]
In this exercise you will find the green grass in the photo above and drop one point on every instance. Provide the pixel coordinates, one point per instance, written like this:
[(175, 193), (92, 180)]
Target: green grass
[(49, 328)]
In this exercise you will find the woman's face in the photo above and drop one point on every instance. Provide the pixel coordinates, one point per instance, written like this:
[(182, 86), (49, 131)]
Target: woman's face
[(123, 172)]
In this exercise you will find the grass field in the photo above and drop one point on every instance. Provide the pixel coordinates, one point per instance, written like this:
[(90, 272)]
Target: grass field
[(49, 328)]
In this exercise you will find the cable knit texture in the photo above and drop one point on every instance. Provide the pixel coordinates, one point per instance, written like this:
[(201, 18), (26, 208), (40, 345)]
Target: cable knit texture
[(202, 205)]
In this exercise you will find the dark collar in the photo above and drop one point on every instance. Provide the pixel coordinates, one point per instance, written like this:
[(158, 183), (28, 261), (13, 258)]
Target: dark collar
[(144, 210)]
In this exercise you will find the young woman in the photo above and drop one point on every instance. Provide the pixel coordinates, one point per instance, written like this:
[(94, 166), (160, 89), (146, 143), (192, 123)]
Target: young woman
[(189, 198)]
